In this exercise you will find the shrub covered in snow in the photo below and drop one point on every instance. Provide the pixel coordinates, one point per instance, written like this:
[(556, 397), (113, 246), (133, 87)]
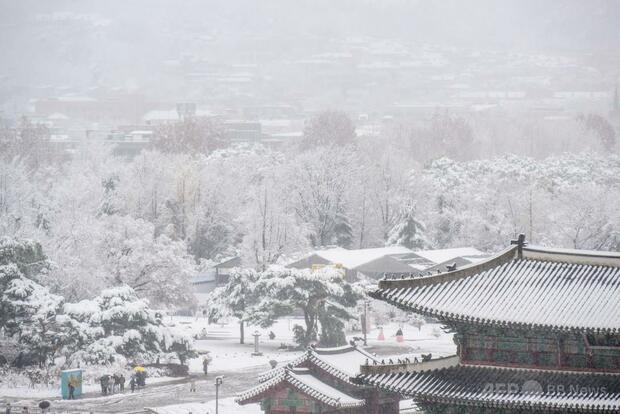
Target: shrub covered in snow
[(118, 326), (115, 327)]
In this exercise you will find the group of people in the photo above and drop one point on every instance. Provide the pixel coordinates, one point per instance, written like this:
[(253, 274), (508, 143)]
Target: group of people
[(112, 383), (138, 379)]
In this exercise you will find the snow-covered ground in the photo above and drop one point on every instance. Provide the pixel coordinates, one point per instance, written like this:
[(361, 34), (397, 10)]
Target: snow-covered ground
[(226, 405), (17, 393), (430, 338), (222, 344), (234, 361)]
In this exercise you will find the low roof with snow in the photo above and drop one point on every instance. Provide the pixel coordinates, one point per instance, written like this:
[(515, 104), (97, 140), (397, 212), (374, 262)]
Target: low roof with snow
[(305, 382), (456, 262), (341, 362), (443, 255), (352, 259)]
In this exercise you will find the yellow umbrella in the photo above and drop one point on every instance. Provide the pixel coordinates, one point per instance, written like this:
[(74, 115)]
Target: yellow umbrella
[(139, 369)]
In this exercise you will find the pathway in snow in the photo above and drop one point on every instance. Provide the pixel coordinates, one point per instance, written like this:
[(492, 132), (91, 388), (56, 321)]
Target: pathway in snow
[(160, 394)]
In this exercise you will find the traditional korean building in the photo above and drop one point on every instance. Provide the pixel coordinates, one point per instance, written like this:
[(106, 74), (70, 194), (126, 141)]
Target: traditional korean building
[(321, 381), (537, 330)]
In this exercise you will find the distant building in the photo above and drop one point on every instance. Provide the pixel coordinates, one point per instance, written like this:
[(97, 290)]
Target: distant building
[(171, 116), (282, 111), (224, 268), (373, 263), (204, 283), (113, 109), (243, 131), (131, 143), (217, 275), (433, 260)]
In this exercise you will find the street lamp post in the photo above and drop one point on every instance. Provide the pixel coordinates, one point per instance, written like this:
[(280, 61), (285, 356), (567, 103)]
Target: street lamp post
[(218, 381), (256, 352)]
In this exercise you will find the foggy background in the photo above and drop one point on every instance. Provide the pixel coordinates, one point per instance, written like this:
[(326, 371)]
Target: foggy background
[(351, 55)]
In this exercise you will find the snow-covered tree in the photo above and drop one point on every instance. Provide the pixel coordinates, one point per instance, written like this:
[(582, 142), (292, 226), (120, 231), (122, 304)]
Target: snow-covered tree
[(27, 309), (319, 191), (74, 197), (328, 128), (343, 230), (156, 267), (117, 326), (451, 135), (106, 221), (190, 135), (236, 298), (582, 217), (271, 227), (409, 231), (604, 132), (325, 298), (27, 141)]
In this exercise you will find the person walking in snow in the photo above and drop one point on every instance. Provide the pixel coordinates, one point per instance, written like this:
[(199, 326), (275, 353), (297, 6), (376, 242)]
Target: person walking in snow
[(104, 380), (205, 364), (132, 383), (121, 382), (8, 408)]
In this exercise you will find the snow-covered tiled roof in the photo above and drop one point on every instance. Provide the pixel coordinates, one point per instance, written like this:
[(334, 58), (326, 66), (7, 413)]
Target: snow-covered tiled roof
[(534, 390), (204, 277), (342, 362), (351, 259), (540, 288), (346, 360), (456, 261), (304, 381)]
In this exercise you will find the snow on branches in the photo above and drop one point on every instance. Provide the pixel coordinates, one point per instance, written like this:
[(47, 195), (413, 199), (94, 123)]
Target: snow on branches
[(325, 298), (114, 326), (27, 309), (118, 326)]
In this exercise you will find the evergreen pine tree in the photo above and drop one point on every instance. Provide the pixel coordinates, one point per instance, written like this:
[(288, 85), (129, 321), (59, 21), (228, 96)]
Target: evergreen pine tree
[(27, 309), (408, 230), (343, 231)]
